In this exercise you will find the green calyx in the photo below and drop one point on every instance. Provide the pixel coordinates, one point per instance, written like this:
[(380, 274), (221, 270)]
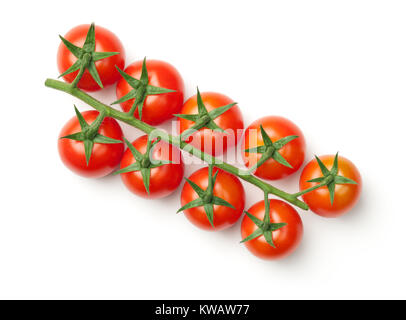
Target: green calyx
[(270, 150), (143, 162), (265, 227), (330, 179), (140, 90), (86, 57), (204, 118), (206, 199), (90, 134)]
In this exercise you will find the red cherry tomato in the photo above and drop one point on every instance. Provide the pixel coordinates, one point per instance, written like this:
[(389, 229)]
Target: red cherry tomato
[(156, 108), (105, 157), (276, 128), (106, 41), (285, 239), (207, 140), (164, 179), (345, 196), (227, 187)]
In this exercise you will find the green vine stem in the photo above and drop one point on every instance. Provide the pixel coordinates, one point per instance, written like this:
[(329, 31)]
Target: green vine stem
[(85, 63), (174, 140), (326, 181)]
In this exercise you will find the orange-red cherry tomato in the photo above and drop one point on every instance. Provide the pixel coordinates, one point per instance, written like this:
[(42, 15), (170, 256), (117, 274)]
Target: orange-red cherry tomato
[(227, 187), (276, 128), (164, 179), (106, 41), (105, 157), (156, 108), (345, 196), (207, 140), (285, 239)]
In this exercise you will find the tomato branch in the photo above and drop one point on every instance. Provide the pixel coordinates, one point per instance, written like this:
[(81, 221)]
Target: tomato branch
[(176, 141)]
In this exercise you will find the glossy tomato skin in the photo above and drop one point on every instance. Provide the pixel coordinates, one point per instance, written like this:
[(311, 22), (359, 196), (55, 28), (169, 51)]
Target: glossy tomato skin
[(164, 179), (286, 239), (106, 41), (105, 157), (277, 128), (227, 187), (346, 195), (214, 143), (157, 108)]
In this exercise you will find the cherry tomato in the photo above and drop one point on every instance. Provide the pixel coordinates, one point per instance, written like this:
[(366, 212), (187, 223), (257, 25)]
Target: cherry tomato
[(228, 187), (207, 140), (106, 41), (105, 157), (285, 239), (345, 196), (276, 128), (156, 108), (164, 179)]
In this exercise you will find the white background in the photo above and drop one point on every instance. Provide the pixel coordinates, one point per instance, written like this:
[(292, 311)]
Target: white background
[(335, 68)]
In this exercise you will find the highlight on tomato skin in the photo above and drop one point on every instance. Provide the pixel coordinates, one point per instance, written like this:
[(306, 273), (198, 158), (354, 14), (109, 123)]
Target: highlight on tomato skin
[(105, 157), (209, 141), (227, 187), (276, 128), (285, 239), (345, 196), (106, 41), (156, 108), (164, 180)]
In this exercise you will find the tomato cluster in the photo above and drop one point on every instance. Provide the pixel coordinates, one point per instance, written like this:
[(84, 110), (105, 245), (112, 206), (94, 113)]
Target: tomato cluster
[(92, 145)]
